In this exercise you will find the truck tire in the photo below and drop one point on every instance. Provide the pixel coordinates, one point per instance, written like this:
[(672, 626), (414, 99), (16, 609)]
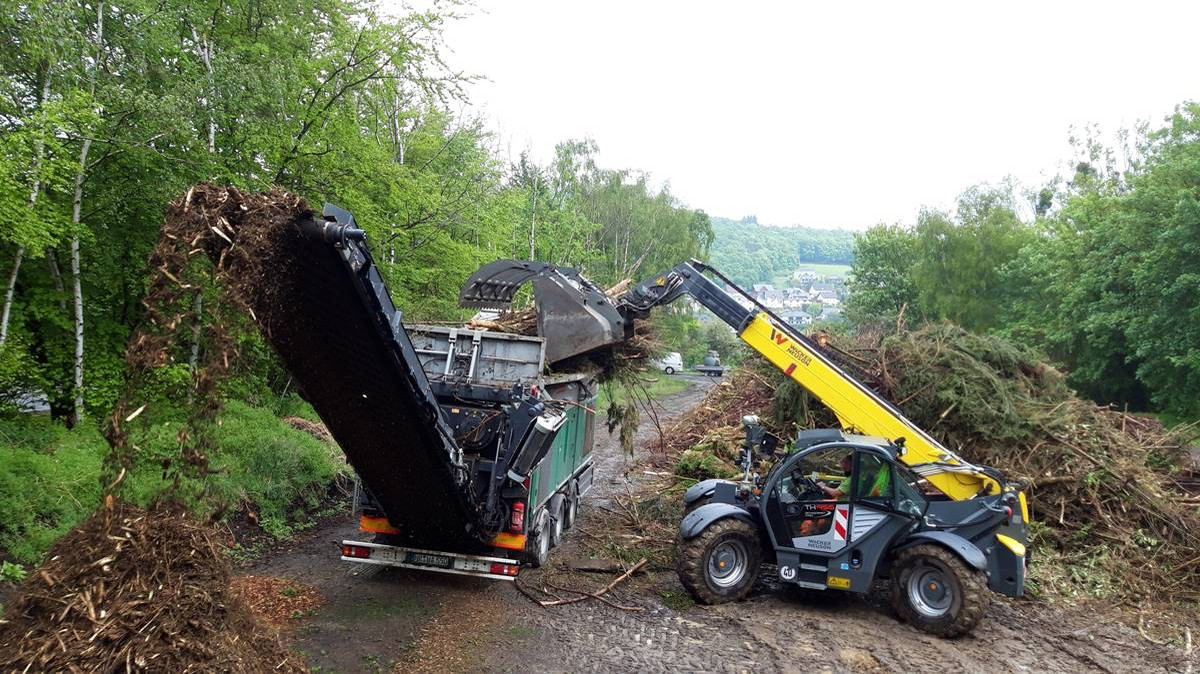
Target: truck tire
[(721, 563), (571, 508), (557, 523), (669, 370), (537, 543), (935, 591)]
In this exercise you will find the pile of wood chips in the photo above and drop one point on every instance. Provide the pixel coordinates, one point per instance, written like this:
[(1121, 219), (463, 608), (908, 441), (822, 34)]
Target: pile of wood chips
[(276, 600), (137, 590)]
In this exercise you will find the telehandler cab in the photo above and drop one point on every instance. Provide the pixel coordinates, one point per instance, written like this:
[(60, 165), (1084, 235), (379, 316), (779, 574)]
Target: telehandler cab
[(878, 499)]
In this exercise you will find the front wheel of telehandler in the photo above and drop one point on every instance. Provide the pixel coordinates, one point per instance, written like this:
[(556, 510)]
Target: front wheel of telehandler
[(721, 563), (933, 589)]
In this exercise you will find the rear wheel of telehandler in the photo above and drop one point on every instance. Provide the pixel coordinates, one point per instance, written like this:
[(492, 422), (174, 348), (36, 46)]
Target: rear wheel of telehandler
[(933, 589), (721, 563)]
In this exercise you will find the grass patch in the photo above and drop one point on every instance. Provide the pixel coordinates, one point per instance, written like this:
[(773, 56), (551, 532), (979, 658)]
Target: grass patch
[(658, 386), (50, 476), (676, 600), (521, 631), (49, 481)]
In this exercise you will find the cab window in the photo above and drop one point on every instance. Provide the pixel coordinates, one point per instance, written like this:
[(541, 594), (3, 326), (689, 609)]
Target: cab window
[(909, 497), (874, 482), (829, 468)]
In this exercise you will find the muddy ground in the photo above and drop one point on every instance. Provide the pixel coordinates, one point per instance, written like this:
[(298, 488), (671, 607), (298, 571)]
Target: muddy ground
[(380, 619)]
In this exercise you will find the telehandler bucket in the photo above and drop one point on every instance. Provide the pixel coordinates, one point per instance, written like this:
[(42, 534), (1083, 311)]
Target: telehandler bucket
[(574, 316)]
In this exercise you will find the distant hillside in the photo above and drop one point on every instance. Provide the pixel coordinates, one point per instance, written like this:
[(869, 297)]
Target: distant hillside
[(752, 253)]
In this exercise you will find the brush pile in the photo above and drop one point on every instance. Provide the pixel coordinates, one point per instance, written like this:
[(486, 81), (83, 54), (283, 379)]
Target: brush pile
[(1100, 481), (136, 590)]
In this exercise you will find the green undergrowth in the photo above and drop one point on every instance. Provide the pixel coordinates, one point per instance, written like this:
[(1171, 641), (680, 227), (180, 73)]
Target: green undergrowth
[(50, 476)]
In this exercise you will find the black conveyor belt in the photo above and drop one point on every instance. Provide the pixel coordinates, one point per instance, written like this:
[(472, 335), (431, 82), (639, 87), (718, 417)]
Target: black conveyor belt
[(341, 338)]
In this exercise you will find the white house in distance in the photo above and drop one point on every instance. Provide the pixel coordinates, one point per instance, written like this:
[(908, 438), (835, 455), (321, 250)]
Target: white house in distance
[(819, 298), (805, 276)]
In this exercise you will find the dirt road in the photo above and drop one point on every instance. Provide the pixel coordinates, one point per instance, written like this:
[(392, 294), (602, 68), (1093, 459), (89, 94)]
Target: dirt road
[(376, 619)]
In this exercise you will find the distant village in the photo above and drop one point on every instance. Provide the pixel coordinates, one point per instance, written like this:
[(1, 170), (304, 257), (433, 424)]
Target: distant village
[(810, 297)]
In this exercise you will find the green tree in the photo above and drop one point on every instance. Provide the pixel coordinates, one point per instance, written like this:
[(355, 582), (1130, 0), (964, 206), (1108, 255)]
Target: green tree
[(881, 281)]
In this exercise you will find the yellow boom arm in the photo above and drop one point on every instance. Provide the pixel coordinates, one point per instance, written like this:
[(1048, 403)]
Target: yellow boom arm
[(857, 407)]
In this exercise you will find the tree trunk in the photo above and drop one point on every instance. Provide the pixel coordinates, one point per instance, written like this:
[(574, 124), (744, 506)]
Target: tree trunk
[(205, 51), (8, 294), (76, 283), (76, 216), (533, 220), (56, 274), (197, 315), (39, 153)]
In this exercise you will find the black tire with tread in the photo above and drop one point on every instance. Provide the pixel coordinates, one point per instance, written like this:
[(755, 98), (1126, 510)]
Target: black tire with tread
[(571, 507), (972, 596), (691, 560), (533, 542), (557, 524)]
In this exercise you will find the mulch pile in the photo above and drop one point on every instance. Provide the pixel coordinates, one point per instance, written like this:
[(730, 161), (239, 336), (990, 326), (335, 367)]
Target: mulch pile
[(1106, 484), (137, 590), (149, 590), (278, 601)]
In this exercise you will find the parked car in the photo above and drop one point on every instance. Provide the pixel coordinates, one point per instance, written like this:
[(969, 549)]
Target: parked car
[(671, 363)]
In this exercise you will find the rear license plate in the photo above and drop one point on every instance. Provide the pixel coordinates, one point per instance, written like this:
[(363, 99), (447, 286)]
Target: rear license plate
[(422, 559)]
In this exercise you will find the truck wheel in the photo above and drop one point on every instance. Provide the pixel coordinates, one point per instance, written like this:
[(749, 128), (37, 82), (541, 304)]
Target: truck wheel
[(721, 563), (571, 509), (937, 592), (556, 523), (669, 370), (537, 544)]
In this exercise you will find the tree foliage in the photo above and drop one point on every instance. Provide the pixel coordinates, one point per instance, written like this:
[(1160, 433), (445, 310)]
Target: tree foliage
[(334, 100), (751, 253), (1103, 277)]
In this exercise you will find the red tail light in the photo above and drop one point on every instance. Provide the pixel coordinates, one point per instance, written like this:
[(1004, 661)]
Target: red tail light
[(357, 551), (504, 569), (516, 521)]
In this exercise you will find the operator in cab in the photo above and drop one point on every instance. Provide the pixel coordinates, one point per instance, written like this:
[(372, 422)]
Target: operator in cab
[(870, 485)]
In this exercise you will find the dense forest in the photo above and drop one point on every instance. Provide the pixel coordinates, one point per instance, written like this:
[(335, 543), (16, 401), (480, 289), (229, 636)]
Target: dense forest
[(749, 252), (1100, 269), (109, 111)]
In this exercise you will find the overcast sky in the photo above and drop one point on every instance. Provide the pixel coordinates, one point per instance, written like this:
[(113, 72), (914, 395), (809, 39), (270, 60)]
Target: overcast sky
[(825, 114)]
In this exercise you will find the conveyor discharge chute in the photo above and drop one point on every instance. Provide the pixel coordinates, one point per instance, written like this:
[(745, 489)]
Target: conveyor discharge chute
[(330, 318)]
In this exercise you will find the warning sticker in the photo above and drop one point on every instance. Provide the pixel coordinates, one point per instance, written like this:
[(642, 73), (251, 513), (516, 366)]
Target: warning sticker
[(837, 581)]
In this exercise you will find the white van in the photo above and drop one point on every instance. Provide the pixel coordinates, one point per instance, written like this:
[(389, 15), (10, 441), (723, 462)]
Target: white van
[(671, 363)]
